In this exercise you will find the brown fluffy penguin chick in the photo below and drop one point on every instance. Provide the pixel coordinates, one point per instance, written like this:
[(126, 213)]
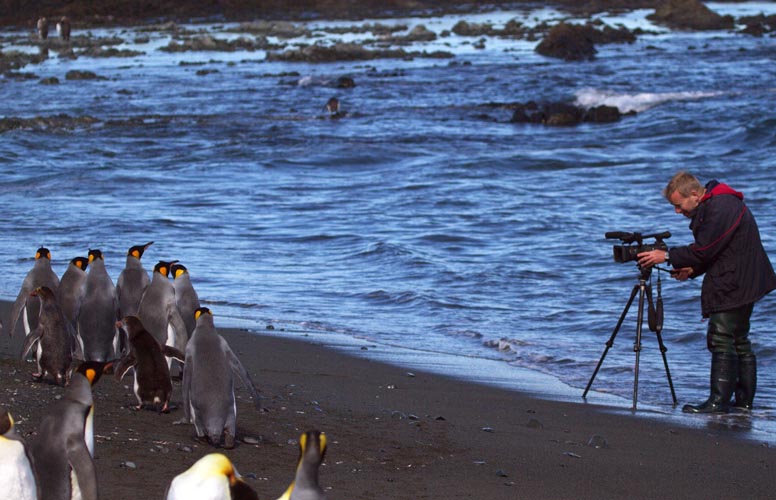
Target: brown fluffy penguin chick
[(52, 337), (152, 376)]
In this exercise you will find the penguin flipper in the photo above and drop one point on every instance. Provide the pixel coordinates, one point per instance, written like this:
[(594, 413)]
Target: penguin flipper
[(240, 371), (123, 366), (30, 341), (83, 465), (76, 349), (172, 352), (18, 305)]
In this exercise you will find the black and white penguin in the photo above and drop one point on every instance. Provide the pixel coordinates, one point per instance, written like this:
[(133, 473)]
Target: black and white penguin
[(63, 28), (132, 281), (185, 296), (42, 28), (212, 477), (61, 457), (159, 312), (26, 307), (71, 289), (96, 324), (153, 385), (312, 448), (17, 475), (53, 337), (208, 383)]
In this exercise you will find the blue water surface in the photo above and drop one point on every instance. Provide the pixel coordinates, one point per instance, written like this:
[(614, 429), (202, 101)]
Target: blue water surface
[(422, 226)]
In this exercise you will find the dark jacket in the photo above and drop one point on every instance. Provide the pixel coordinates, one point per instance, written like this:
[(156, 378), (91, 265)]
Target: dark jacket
[(728, 250)]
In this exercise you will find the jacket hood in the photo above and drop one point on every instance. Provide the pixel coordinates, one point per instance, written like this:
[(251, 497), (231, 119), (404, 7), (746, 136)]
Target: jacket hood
[(714, 188)]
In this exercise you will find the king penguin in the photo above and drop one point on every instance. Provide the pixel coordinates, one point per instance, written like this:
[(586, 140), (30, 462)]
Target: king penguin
[(158, 311), (41, 274), (132, 281), (312, 448), (53, 337), (60, 453), (208, 383), (185, 296), (152, 376), (212, 477), (96, 325), (72, 287), (17, 475)]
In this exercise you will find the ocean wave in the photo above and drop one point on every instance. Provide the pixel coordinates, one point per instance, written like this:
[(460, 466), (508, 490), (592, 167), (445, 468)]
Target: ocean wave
[(642, 101)]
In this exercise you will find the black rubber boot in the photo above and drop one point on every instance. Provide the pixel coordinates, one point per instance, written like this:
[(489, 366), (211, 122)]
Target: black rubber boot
[(747, 381), (724, 374)]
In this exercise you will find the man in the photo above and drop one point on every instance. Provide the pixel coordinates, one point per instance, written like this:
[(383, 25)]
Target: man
[(738, 273)]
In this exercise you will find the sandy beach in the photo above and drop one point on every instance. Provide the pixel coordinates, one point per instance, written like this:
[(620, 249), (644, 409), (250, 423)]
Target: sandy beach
[(399, 435)]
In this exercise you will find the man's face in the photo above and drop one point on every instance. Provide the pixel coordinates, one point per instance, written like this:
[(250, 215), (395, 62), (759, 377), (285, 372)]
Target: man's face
[(685, 205)]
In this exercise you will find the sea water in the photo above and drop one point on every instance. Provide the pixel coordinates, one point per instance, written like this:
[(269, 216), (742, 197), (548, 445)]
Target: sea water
[(422, 227)]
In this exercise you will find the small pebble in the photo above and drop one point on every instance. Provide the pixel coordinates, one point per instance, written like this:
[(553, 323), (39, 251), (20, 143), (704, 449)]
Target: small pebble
[(534, 424), (597, 441), (129, 465), (501, 473), (410, 374), (487, 429), (250, 440), (572, 455)]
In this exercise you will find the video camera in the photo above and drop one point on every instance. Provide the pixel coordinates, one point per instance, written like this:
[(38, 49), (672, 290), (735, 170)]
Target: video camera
[(633, 244)]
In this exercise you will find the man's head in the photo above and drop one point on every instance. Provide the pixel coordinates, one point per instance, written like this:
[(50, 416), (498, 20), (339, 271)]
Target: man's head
[(684, 192)]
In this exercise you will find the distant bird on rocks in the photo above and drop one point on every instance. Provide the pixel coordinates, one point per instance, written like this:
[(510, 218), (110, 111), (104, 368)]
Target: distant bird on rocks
[(312, 448), (332, 106), (63, 28), (42, 28), (212, 477)]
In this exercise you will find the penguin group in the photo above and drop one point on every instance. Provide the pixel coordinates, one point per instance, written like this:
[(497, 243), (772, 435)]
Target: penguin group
[(81, 326), (63, 28)]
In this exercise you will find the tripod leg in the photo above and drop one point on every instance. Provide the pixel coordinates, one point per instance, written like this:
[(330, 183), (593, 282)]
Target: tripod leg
[(663, 350), (637, 344), (610, 342)]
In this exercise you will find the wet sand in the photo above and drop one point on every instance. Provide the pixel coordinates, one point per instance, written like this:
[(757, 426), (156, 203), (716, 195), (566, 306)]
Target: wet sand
[(399, 435)]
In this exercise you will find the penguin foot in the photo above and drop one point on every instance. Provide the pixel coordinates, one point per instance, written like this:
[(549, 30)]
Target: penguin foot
[(228, 441), (37, 376)]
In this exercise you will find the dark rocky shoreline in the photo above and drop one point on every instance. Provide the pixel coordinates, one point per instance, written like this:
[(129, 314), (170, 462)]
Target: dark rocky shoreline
[(84, 13)]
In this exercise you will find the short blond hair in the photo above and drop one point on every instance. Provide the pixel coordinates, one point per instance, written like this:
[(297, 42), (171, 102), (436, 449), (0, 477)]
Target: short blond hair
[(682, 182)]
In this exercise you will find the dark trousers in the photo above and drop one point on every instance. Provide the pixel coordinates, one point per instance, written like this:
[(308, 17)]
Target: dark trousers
[(728, 331)]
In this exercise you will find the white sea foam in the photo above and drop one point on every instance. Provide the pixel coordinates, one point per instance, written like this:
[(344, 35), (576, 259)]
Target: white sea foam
[(589, 98)]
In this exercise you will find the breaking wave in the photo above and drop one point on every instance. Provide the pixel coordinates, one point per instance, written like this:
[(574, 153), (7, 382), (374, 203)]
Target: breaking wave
[(589, 98)]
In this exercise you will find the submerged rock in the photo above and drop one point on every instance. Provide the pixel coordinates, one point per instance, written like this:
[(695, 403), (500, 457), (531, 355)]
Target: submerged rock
[(690, 15), (560, 114), (568, 41)]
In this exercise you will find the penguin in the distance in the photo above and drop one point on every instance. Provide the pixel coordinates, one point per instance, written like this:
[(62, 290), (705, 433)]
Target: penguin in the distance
[(61, 457), (42, 28), (208, 383), (153, 385), (132, 281), (212, 477), (63, 28), (17, 474), (53, 337), (96, 324), (312, 448), (185, 296), (25, 307), (159, 312)]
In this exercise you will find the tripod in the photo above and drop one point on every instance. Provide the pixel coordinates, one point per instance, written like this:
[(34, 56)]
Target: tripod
[(655, 321)]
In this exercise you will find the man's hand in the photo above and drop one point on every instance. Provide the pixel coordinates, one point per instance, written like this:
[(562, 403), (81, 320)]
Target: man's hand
[(651, 258), (681, 274)]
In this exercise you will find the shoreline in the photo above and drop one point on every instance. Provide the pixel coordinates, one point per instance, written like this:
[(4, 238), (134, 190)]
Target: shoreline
[(398, 435)]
